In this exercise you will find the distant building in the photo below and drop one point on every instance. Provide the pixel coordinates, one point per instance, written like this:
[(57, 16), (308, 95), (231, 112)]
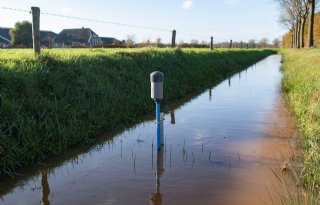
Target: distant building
[(5, 40), (46, 38), (82, 37), (107, 41)]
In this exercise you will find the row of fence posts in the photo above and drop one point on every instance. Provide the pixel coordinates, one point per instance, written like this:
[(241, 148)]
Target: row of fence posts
[(35, 11)]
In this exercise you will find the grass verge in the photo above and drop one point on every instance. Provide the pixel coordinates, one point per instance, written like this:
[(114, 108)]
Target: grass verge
[(301, 86), (66, 97)]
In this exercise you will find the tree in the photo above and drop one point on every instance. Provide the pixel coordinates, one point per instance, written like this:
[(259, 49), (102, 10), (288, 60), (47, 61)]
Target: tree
[(312, 4), (21, 34), (194, 42), (276, 43), (130, 41), (158, 42), (147, 43), (304, 15), (287, 22), (297, 12), (251, 43), (291, 14), (263, 42), (204, 43)]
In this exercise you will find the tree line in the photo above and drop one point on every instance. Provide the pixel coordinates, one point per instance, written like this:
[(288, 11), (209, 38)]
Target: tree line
[(287, 38), (21, 36), (130, 42), (295, 15)]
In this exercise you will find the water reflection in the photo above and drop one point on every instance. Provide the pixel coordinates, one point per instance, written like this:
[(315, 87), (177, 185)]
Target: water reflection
[(210, 94), (45, 187), (156, 198), (173, 118), (203, 165)]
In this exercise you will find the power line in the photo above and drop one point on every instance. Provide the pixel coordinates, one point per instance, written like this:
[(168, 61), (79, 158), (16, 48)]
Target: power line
[(106, 22), (13, 9), (109, 22), (91, 20)]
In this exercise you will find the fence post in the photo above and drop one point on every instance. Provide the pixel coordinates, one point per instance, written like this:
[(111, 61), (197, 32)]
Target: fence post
[(230, 44), (35, 11), (211, 44), (173, 42)]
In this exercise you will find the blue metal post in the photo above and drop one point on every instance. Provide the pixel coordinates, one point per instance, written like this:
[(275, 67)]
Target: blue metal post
[(158, 115)]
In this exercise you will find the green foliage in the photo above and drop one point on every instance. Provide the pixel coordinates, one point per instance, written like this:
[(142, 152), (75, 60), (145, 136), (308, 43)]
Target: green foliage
[(65, 97), (301, 85), (21, 34)]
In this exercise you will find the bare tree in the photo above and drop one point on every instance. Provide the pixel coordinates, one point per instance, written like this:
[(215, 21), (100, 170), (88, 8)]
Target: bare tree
[(158, 42), (194, 42), (295, 13), (304, 15), (291, 16), (276, 43), (130, 41), (204, 43), (147, 43), (287, 21), (251, 43), (263, 42)]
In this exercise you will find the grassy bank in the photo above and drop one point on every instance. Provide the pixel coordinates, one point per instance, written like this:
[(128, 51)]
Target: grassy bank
[(301, 85), (66, 97)]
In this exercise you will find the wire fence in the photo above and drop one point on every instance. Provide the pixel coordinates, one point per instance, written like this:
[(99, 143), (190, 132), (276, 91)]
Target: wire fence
[(197, 40)]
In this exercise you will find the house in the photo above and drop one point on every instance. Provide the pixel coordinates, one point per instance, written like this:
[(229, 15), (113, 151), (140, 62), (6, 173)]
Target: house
[(107, 41), (82, 37), (45, 38), (5, 40)]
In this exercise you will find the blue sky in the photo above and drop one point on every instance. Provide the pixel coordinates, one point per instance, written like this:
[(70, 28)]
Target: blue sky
[(193, 19)]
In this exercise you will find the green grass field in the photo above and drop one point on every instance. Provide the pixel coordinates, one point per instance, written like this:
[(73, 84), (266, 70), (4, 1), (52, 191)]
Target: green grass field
[(301, 85), (66, 97)]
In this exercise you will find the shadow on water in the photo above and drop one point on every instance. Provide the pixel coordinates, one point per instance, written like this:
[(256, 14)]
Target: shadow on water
[(219, 149)]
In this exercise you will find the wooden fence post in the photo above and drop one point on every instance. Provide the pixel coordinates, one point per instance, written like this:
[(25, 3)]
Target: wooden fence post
[(173, 42), (35, 11), (230, 44), (211, 44)]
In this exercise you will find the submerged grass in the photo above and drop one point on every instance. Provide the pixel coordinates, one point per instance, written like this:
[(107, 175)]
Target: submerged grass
[(65, 97), (301, 86)]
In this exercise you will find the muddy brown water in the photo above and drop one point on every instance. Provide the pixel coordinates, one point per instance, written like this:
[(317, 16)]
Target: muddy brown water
[(220, 148)]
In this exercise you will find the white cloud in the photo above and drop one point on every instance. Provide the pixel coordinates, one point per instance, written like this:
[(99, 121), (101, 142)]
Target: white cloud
[(188, 4), (66, 9), (232, 2)]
